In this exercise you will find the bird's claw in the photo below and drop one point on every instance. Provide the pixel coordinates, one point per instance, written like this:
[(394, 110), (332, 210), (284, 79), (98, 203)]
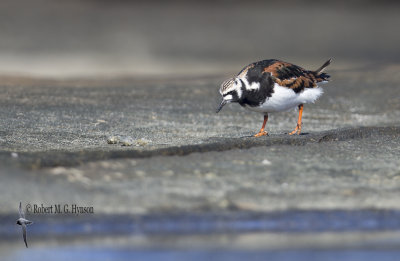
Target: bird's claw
[(297, 129), (261, 133)]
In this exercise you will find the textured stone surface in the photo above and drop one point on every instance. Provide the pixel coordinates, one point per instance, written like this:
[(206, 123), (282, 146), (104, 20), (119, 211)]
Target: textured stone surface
[(40, 115), (54, 151), (356, 173)]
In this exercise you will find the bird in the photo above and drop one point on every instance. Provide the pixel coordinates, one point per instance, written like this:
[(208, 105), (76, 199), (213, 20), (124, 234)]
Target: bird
[(23, 223), (272, 86)]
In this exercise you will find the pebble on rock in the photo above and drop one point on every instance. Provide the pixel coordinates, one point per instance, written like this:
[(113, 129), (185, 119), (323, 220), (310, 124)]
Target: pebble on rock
[(142, 142), (126, 141), (112, 139)]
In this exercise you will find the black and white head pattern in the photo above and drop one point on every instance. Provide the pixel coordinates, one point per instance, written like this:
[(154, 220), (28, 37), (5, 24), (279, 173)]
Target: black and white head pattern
[(231, 90)]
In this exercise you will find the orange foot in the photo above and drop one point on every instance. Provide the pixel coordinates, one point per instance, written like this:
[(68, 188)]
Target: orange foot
[(261, 133), (297, 129)]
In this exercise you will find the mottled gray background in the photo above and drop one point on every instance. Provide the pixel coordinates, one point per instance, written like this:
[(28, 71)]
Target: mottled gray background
[(69, 38), (194, 185)]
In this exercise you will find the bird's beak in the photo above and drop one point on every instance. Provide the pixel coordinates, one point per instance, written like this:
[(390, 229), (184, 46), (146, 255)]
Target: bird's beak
[(223, 102)]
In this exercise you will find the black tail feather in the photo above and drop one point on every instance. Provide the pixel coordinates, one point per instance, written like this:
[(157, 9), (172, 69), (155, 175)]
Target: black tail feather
[(321, 69)]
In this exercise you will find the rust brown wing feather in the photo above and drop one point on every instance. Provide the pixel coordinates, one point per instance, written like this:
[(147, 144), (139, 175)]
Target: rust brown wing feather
[(295, 77)]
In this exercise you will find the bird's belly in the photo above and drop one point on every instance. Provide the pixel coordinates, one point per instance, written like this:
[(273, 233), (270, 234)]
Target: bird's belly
[(283, 99)]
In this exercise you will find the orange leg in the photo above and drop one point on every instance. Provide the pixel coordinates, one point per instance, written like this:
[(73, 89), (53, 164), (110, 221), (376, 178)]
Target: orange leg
[(262, 131), (298, 127)]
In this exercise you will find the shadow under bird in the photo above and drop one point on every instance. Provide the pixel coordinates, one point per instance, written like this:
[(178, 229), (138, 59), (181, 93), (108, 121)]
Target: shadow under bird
[(23, 222), (273, 86)]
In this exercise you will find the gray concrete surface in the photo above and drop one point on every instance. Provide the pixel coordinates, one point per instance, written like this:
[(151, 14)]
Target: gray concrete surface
[(54, 142), (71, 115), (358, 173)]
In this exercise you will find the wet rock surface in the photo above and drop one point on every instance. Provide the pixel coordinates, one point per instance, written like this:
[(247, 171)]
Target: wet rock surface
[(188, 165), (80, 115), (361, 172)]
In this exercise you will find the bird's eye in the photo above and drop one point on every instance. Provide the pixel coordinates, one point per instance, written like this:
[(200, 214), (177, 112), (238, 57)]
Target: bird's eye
[(229, 93)]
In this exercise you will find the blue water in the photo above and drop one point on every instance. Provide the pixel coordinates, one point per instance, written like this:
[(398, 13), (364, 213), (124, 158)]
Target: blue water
[(88, 227), (101, 254), (206, 223)]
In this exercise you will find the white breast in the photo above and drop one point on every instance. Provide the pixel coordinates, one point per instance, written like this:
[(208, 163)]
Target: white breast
[(284, 99)]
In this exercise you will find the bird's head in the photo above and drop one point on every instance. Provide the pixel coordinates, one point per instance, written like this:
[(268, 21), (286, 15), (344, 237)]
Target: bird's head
[(231, 91)]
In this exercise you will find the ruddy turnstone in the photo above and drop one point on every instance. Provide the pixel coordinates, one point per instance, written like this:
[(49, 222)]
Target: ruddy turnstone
[(271, 86)]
